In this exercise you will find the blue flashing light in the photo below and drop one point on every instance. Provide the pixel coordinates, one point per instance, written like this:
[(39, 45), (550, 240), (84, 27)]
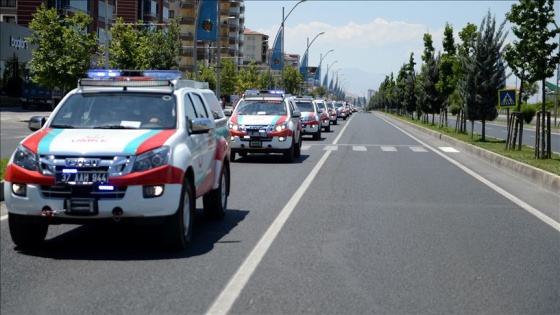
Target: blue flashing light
[(107, 74), (106, 187), (276, 92)]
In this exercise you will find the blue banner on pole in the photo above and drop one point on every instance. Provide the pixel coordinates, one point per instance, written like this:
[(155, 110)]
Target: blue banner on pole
[(303, 66), (275, 58), (207, 27)]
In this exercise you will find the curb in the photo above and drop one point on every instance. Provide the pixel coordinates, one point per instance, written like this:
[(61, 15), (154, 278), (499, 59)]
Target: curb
[(540, 177)]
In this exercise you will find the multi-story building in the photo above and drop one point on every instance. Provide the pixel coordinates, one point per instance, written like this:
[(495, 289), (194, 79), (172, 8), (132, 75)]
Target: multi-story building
[(156, 12), (231, 15), (255, 47)]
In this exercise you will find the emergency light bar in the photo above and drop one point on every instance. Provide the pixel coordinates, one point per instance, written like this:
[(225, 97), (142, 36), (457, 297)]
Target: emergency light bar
[(130, 75), (123, 83), (258, 92)]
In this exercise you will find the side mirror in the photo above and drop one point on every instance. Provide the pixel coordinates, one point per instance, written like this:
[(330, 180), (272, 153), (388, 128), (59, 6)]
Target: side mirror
[(228, 112), (201, 125), (36, 122), (296, 113)]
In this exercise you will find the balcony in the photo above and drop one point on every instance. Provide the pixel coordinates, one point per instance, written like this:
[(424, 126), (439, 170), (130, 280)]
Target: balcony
[(187, 4), (187, 36), (188, 20)]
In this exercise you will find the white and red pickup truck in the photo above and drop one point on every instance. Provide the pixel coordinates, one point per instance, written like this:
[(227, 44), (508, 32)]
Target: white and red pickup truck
[(123, 147)]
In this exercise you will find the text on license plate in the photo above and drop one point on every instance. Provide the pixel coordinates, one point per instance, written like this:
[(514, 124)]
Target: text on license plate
[(81, 177)]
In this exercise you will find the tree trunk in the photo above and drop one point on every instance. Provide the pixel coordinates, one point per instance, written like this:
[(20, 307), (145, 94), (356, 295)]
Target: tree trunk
[(483, 130), (543, 136)]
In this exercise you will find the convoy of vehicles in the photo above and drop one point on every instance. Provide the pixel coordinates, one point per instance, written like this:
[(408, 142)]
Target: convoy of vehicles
[(141, 147), (123, 147), (266, 122), (310, 116)]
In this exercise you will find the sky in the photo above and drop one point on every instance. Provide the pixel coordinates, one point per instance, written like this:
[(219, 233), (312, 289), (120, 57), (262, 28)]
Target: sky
[(370, 39)]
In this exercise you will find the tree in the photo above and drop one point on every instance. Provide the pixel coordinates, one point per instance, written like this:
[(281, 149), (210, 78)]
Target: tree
[(447, 79), (228, 77), (409, 91), (292, 80), (64, 48), (535, 51), (483, 74), (468, 37)]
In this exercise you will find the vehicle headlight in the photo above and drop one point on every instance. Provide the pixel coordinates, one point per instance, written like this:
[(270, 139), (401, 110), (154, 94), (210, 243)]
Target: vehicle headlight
[(280, 127), (25, 158), (151, 159), (233, 126)]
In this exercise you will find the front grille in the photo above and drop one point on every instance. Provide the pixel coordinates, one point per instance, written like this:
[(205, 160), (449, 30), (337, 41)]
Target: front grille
[(81, 191)]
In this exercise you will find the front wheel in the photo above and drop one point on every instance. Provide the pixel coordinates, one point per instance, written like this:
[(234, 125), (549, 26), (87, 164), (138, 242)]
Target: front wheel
[(177, 229), (289, 154), (297, 152), (26, 234), (215, 202)]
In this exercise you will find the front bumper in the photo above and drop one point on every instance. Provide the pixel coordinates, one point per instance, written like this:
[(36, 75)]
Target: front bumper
[(129, 199)]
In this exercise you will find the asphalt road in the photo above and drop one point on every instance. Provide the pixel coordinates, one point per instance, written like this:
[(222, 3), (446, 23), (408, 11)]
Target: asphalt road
[(374, 218)]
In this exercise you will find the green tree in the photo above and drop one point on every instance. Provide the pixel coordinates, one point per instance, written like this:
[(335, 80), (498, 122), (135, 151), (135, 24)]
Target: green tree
[(228, 77), (468, 37), (124, 45), (447, 79), (536, 51), (207, 74), (292, 80), (484, 77), (64, 48), (409, 91)]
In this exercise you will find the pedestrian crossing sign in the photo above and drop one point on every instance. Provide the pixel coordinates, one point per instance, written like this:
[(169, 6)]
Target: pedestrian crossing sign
[(507, 97)]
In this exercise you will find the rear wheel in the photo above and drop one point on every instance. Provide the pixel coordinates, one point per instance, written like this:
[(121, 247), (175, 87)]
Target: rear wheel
[(26, 234), (328, 128), (177, 229), (215, 202), (335, 121)]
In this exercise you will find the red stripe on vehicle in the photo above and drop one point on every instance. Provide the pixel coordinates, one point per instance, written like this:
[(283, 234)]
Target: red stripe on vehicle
[(155, 142), (32, 143), (17, 174), (162, 175)]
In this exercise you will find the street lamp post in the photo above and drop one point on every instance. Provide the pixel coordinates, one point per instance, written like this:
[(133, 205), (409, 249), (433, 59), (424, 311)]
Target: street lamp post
[(319, 67), (282, 29), (307, 55)]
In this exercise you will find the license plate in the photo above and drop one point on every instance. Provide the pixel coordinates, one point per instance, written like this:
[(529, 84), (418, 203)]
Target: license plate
[(255, 144), (80, 178), (257, 133)]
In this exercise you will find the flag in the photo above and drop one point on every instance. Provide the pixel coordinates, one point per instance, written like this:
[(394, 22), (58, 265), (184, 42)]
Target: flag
[(317, 78), (326, 79), (276, 57), (303, 66), (207, 22), (331, 85)]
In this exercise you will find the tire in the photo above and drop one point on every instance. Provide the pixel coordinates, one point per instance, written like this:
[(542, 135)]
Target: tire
[(215, 202), (233, 157), (317, 136), (297, 152), (289, 154), (335, 122), (26, 234), (328, 128), (177, 229), (344, 118)]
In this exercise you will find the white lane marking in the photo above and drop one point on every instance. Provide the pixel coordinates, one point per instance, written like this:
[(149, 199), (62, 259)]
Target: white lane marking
[(4, 217), (389, 149), (305, 147), (418, 149), (230, 293), (543, 217), (330, 148), (359, 148), (448, 149)]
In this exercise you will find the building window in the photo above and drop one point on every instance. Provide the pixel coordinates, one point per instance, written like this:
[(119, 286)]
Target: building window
[(8, 3), (9, 19), (171, 14)]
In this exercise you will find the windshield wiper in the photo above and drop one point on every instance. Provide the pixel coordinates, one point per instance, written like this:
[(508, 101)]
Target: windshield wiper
[(63, 126), (114, 127)]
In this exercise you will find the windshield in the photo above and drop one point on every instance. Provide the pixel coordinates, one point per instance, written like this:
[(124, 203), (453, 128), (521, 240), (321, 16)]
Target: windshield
[(116, 111), (261, 107), (305, 106)]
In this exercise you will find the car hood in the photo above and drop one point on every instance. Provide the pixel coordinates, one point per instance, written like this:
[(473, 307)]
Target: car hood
[(97, 141)]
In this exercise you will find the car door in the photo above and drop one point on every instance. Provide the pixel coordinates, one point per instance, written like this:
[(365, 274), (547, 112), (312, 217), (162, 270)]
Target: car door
[(197, 143), (206, 161)]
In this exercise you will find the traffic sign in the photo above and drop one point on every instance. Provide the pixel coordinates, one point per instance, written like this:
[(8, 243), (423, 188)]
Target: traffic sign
[(507, 97)]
